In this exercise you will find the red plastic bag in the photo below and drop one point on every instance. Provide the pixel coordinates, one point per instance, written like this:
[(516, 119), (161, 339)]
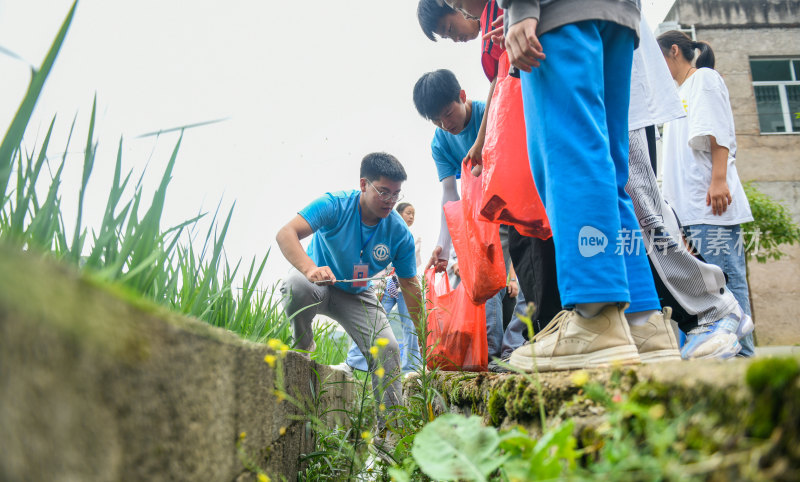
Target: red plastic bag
[(509, 193), (477, 243), (456, 327)]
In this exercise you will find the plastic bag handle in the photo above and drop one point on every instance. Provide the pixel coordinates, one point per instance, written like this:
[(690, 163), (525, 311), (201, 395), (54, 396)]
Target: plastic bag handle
[(432, 281)]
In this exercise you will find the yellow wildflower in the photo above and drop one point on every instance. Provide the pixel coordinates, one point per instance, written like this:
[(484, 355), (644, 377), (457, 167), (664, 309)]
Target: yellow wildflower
[(373, 350), (380, 372), (274, 343), (580, 378), (270, 359), (382, 407), (283, 349), (282, 431), (382, 342), (366, 435), (243, 435), (263, 478), (656, 411)]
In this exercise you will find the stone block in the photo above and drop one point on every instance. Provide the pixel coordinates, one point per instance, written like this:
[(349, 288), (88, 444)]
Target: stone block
[(96, 384)]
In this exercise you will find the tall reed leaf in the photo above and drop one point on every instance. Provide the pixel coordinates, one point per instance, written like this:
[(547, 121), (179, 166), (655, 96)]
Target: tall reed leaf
[(88, 162), (16, 131)]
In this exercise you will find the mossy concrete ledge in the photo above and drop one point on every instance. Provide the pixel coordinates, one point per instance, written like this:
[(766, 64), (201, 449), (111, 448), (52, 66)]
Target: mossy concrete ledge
[(98, 385), (745, 411)]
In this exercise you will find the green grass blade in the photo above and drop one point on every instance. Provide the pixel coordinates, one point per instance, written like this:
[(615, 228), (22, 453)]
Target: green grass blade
[(88, 164), (16, 131)]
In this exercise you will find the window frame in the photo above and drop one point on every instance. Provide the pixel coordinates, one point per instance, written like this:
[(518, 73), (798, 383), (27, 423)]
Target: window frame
[(781, 84)]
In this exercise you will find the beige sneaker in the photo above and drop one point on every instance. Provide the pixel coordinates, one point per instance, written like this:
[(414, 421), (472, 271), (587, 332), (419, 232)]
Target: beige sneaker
[(571, 341), (656, 340)]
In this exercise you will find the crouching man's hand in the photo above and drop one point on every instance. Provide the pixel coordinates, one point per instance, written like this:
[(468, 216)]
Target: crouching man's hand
[(320, 273)]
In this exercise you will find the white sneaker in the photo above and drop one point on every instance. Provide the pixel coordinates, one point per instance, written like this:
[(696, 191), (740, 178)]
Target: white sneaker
[(717, 340)]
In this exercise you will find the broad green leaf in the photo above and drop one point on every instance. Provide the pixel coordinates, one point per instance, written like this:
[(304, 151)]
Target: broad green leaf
[(454, 447), (398, 475)]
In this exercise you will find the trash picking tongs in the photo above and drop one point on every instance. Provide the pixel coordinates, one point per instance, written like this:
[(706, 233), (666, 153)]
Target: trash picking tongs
[(374, 278)]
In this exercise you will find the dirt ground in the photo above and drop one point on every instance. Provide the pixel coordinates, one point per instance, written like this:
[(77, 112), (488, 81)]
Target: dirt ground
[(775, 291)]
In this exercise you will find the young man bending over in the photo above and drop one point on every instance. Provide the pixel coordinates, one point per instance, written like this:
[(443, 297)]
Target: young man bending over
[(356, 234), (439, 98)]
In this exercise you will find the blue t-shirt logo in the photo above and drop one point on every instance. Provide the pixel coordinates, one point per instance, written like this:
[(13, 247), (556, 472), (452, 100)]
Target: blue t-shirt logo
[(380, 252)]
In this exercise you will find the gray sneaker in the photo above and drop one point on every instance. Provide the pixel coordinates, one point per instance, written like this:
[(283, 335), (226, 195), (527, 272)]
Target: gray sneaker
[(496, 367), (384, 445), (342, 367)]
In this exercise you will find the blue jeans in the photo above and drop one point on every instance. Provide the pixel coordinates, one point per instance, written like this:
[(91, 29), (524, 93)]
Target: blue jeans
[(494, 324), (410, 357), (514, 336), (723, 246), (576, 115)]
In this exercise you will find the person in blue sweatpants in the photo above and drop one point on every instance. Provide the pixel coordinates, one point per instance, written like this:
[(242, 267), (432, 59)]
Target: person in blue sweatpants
[(576, 72)]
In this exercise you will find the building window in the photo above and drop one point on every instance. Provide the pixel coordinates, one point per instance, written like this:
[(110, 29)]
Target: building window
[(776, 83)]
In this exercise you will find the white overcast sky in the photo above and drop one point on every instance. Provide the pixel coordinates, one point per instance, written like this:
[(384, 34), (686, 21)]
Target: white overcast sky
[(307, 93)]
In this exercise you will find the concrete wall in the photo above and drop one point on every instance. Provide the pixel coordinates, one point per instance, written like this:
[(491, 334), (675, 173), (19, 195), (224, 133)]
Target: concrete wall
[(97, 387), (736, 13), (738, 31)]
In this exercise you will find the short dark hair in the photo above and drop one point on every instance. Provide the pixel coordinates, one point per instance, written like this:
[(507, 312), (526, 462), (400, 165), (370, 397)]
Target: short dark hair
[(434, 91), (377, 164), (429, 12), (402, 207), (687, 47)]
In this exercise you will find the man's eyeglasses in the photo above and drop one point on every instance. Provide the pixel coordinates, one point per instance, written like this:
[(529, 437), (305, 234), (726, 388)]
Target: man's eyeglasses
[(386, 196)]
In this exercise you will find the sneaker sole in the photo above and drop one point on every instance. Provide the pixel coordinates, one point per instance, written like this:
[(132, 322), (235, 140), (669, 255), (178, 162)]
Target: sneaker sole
[(618, 355), (658, 356), (745, 327)]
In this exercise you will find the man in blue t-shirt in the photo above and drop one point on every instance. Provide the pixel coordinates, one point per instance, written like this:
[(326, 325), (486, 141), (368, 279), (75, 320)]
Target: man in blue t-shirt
[(356, 234)]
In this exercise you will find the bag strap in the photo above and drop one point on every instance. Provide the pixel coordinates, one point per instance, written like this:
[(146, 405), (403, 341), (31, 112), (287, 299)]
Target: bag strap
[(430, 279)]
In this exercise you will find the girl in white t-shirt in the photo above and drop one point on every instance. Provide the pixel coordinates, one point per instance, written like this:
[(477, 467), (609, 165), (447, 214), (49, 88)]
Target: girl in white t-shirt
[(700, 178)]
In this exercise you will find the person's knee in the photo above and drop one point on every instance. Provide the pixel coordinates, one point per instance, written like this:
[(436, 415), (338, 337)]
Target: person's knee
[(298, 292)]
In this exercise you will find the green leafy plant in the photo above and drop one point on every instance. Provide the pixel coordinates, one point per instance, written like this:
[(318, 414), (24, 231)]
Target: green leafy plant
[(457, 447), (551, 456), (772, 227)]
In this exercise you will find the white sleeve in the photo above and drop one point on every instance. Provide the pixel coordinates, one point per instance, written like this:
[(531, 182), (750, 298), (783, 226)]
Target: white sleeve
[(710, 114), (417, 249)]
